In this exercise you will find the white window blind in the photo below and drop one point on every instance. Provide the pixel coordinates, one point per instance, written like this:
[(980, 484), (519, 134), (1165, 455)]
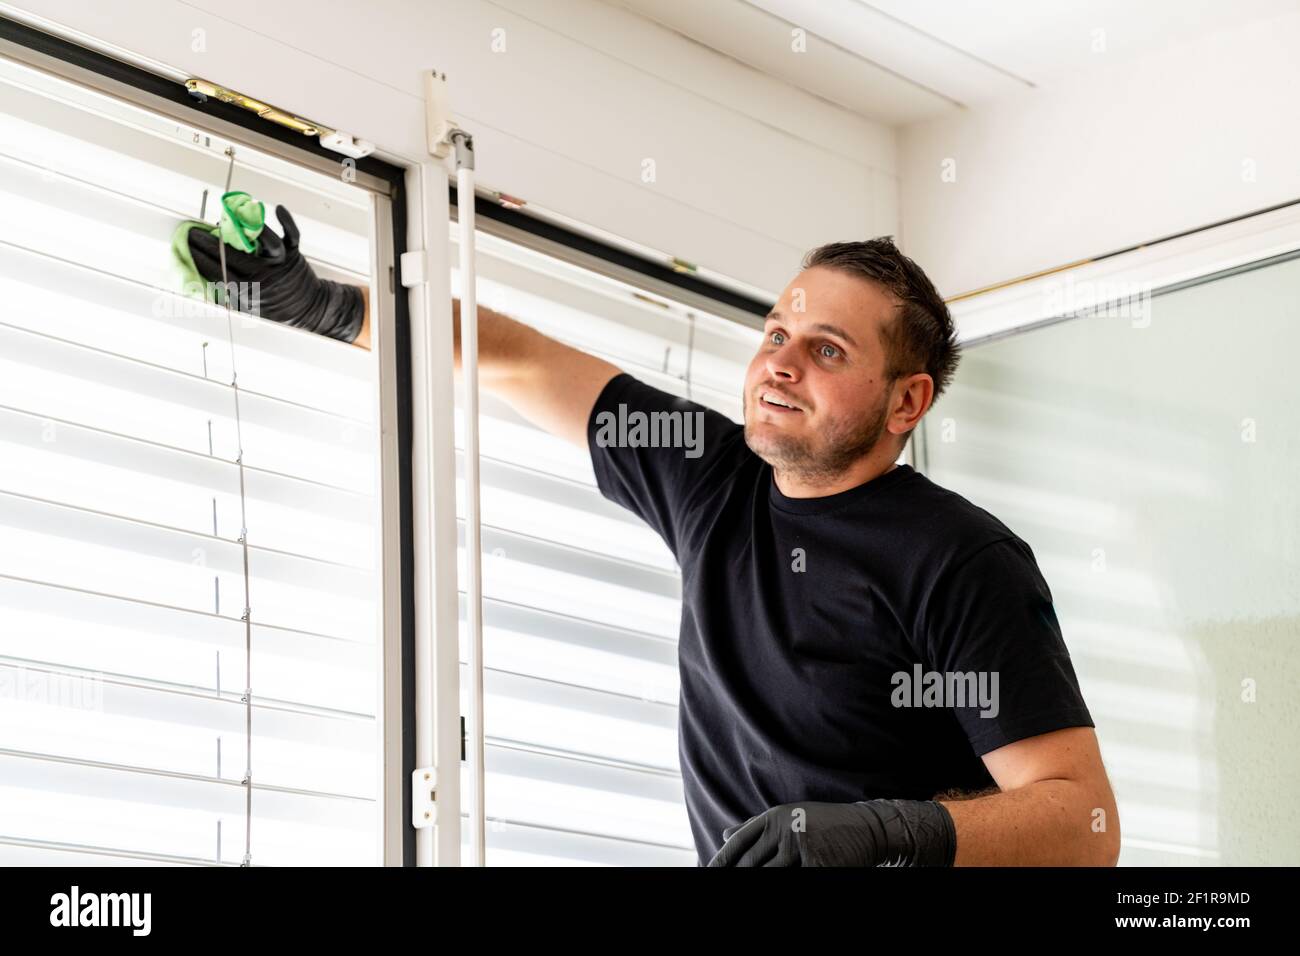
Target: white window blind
[(581, 598), (123, 730)]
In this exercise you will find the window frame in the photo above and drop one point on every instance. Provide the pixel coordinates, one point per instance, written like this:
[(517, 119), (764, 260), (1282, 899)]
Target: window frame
[(391, 319)]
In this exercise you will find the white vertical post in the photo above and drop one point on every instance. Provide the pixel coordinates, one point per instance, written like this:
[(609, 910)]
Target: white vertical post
[(433, 455), (473, 536)]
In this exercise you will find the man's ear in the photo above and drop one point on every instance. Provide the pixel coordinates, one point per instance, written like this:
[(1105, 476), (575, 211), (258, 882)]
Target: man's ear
[(912, 397), (917, 393)]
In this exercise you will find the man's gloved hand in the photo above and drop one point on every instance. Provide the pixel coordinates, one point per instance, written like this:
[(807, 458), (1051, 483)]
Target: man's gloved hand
[(870, 833), (278, 284)]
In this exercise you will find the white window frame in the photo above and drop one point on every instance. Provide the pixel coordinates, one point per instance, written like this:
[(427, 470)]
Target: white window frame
[(1019, 306), (395, 796)]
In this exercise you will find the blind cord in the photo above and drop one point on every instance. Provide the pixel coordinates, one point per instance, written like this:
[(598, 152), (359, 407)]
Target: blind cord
[(247, 616)]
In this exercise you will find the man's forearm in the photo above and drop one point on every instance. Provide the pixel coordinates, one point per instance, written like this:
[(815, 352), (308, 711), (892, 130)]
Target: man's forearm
[(552, 385), (1047, 823), (362, 341), (506, 347)]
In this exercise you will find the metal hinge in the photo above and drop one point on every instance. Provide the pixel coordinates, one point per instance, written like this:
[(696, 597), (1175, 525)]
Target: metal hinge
[(332, 139), (424, 790), (424, 797)]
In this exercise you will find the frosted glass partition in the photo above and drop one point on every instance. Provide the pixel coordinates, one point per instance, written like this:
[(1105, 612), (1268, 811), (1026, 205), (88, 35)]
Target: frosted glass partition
[(1151, 460)]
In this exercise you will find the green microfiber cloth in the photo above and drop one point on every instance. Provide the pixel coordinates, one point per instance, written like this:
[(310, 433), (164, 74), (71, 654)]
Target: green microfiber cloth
[(242, 221)]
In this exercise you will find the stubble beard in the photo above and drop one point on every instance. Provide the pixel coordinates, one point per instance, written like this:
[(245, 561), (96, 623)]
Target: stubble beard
[(845, 442)]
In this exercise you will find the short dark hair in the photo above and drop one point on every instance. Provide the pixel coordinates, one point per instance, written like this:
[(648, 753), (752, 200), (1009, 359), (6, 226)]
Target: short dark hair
[(922, 337)]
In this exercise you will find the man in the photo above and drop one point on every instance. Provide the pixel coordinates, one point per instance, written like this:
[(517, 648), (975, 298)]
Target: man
[(872, 672)]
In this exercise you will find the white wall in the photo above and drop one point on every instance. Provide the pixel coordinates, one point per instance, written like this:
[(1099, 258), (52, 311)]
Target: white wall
[(1116, 156), (750, 171)]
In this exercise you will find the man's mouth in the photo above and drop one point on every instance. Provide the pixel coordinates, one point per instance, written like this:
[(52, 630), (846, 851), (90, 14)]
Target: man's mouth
[(777, 402)]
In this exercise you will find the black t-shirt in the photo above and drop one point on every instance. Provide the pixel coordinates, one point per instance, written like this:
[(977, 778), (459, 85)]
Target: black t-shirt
[(801, 616)]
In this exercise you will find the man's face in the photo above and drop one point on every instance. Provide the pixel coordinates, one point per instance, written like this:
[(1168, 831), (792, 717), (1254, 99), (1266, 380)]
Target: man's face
[(823, 354)]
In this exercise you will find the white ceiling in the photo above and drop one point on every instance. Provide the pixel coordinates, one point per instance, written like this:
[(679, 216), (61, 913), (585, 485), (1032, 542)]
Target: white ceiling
[(903, 61)]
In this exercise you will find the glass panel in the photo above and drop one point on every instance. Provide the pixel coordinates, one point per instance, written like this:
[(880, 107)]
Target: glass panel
[(1149, 457)]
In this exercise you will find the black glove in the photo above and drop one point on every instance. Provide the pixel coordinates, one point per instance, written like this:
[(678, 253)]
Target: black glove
[(278, 284), (870, 833)]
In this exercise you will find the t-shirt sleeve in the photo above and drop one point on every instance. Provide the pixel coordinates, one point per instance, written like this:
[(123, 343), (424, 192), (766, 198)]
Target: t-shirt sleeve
[(660, 456), (992, 616)]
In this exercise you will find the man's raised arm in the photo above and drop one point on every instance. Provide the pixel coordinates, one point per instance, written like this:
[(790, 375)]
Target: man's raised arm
[(551, 384)]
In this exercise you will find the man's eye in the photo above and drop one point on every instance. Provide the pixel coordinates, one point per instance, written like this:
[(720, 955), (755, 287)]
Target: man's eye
[(829, 351), (776, 338)]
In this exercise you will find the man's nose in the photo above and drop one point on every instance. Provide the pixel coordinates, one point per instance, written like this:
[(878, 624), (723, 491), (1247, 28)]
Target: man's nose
[(782, 364)]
